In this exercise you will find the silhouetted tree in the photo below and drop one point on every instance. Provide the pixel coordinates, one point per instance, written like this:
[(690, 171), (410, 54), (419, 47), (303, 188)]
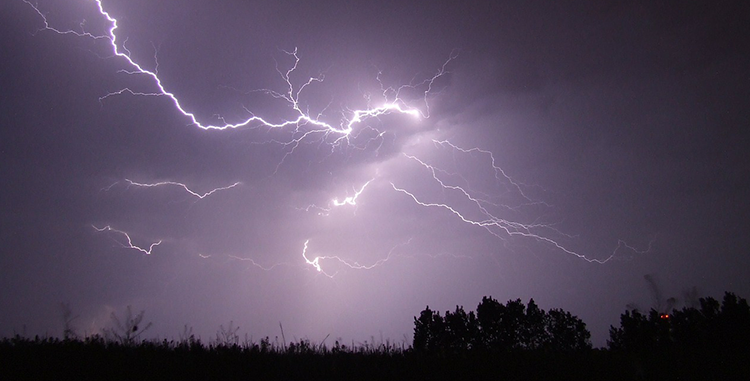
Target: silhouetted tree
[(565, 332), (733, 323), (498, 327), (535, 332), (429, 331), (489, 319), (714, 326), (640, 332), (461, 330)]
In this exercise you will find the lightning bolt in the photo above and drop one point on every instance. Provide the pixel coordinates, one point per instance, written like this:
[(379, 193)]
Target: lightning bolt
[(334, 203), (393, 101), (354, 265), (129, 244), (315, 262), (497, 226), (510, 228), (500, 174), (256, 264), (183, 186), (351, 200), (305, 126)]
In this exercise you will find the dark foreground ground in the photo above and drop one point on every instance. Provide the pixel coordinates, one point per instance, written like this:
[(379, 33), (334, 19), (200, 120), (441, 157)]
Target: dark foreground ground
[(96, 359)]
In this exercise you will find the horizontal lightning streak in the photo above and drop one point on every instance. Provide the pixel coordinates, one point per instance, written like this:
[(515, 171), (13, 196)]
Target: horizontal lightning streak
[(354, 265), (258, 265), (183, 186), (127, 237)]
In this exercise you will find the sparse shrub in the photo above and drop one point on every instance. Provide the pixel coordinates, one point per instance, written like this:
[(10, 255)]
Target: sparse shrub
[(126, 331), (227, 336)]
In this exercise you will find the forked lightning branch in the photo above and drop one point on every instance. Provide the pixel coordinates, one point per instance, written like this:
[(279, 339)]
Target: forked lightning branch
[(307, 126)]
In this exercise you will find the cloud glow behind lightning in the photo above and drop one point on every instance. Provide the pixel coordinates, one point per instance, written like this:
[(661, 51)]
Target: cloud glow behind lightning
[(306, 126)]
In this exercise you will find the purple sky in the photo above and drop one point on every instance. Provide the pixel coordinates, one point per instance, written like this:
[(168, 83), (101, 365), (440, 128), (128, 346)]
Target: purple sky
[(622, 131)]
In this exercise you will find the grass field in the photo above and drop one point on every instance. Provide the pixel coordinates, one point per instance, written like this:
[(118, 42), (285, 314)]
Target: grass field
[(95, 358)]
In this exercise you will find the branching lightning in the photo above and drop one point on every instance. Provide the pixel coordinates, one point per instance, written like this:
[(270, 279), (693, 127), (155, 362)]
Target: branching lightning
[(497, 226), (305, 125), (351, 200), (510, 228), (393, 102), (500, 174)]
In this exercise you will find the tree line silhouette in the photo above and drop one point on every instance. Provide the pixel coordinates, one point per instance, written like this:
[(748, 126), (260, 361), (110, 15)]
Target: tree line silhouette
[(500, 327), (707, 340), (513, 326), (712, 326)]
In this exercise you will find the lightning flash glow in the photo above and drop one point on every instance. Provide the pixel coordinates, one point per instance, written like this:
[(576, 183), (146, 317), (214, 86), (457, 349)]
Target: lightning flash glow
[(306, 126), (315, 262), (351, 200)]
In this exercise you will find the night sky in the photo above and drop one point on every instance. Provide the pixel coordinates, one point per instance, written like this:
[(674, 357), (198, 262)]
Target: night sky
[(622, 130)]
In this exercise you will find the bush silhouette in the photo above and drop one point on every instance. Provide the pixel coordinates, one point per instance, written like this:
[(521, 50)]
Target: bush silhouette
[(127, 331)]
